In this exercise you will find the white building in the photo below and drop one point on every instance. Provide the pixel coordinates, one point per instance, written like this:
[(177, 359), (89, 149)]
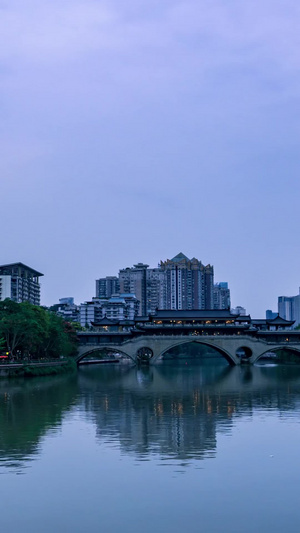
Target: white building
[(122, 306), (239, 310), (90, 312), (67, 309), (20, 283)]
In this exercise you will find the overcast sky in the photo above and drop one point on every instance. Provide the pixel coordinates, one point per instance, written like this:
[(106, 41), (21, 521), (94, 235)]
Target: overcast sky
[(131, 131)]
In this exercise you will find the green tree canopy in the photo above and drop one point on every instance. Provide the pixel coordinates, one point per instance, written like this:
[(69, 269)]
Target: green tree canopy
[(29, 330)]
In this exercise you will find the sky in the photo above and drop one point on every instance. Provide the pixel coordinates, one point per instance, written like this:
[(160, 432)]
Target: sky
[(132, 131)]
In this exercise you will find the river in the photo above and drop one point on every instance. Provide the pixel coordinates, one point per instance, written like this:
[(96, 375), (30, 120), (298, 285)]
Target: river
[(177, 447)]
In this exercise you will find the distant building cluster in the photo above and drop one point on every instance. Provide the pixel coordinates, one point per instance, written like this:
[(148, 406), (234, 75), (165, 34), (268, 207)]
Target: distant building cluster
[(178, 283)]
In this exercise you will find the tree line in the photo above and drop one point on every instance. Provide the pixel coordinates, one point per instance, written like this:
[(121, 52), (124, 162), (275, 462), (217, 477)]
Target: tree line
[(31, 332)]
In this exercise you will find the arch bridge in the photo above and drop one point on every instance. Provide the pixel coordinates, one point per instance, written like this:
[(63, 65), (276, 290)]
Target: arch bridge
[(236, 349), (238, 338)]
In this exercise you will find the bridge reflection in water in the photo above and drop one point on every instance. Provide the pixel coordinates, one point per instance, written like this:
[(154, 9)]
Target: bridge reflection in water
[(171, 410), (177, 411)]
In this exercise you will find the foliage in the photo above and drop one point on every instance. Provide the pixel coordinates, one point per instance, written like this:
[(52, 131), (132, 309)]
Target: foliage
[(32, 332)]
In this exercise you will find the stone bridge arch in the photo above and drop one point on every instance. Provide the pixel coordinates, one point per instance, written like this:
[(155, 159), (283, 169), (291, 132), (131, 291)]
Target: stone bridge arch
[(232, 359), (288, 347), (83, 351)]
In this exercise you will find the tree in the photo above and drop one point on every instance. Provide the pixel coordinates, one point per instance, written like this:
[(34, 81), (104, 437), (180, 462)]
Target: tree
[(13, 325), (34, 331)]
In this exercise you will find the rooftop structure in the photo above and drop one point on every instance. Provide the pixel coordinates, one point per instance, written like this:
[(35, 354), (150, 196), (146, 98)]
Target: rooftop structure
[(238, 310)]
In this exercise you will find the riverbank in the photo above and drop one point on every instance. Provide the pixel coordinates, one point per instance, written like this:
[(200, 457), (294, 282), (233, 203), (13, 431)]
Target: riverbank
[(37, 368)]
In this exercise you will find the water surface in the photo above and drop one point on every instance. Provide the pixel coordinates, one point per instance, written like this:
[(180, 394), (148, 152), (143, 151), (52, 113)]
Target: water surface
[(177, 447)]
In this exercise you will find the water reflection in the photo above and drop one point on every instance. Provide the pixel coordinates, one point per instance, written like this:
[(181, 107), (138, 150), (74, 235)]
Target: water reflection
[(172, 411), (177, 411), (28, 410)]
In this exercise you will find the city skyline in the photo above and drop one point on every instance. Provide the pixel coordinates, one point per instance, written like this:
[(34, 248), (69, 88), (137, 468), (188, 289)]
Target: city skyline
[(130, 131), (221, 289), (177, 283), (114, 288)]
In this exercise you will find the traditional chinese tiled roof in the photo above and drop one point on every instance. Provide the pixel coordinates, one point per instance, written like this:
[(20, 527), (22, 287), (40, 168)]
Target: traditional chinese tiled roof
[(106, 322), (279, 321), (194, 314)]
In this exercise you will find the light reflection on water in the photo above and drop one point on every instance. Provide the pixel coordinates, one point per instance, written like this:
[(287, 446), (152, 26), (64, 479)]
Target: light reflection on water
[(171, 443)]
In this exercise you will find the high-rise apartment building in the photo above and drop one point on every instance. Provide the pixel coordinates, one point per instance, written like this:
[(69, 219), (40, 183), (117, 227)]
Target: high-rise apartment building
[(188, 284), (20, 283), (289, 308), (147, 285), (221, 295), (155, 290), (134, 280), (106, 287)]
